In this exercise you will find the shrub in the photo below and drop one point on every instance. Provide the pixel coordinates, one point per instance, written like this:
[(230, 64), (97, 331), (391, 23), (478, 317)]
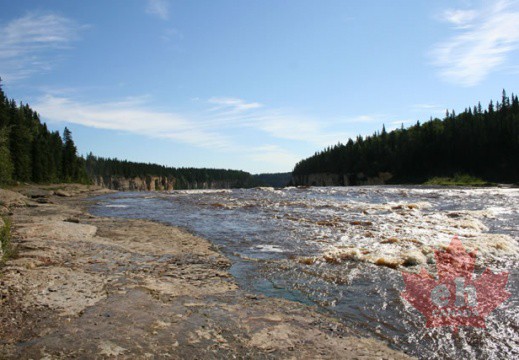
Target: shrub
[(5, 241)]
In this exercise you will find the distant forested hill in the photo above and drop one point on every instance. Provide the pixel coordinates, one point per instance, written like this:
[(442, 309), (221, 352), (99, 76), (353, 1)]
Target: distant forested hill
[(30, 152), (478, 142), (113, 172), (274, 180)]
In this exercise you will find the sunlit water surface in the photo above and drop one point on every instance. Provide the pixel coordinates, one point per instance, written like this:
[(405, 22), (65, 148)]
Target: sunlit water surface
[(321, 245)]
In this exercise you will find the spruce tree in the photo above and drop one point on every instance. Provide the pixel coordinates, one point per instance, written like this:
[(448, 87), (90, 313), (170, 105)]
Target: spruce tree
[(69, 163)]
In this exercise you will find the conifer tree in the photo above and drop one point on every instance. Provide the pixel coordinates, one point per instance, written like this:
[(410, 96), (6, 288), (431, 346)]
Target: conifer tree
[(20, 148), (6, 167), (69, 163), (481, 144)]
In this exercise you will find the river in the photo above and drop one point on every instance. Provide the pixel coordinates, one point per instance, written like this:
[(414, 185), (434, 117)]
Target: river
[(344, 249)]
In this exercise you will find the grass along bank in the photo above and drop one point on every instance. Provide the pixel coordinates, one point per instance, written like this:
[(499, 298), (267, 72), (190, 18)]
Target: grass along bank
[(6, 248), (459, 180)]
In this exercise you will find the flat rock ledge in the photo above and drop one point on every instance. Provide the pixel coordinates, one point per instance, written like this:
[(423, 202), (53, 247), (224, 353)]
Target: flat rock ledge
[(132, 289)]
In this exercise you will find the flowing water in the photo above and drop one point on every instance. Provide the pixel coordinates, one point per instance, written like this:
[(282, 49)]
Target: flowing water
[(344, 249)]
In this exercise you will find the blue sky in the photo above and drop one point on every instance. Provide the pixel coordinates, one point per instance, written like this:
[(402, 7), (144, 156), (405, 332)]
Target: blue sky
[(250, 84)]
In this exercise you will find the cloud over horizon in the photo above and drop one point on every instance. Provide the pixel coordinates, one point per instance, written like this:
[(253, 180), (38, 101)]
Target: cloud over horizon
[(136, 115), (209, 128), (131, 115), (483, 40)]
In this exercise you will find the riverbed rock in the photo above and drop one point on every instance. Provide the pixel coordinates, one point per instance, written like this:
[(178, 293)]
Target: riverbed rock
[(389, 262), (10, 198), (413, 258), (2, 224), (62, 193), (111, 287), (58, 231), (35, 193)]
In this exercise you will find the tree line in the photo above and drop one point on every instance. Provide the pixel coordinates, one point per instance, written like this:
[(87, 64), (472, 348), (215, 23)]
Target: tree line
[(273, 179), (479, 142), (185, 177), (29, 152)]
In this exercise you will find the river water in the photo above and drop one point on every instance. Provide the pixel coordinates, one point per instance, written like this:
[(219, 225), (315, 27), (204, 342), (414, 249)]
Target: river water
[(344, 250)]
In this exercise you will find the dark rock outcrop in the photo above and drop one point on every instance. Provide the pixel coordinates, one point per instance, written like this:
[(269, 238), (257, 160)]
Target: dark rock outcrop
[(158, 183)]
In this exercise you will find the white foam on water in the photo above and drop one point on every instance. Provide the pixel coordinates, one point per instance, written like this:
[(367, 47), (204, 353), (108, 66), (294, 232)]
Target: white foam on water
[(499, 210), (268, 248), (266, 188), (201, 191), (337, 234), (400, 232)]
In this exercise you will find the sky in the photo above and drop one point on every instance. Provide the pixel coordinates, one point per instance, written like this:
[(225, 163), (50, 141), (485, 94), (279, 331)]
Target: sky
[(255, 85)]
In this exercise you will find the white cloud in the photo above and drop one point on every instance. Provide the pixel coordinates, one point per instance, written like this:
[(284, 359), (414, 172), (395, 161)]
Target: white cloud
[(26, 43), (129, 115), (233, 104), (460, 18), (224, 127), (285, 125), (159, 8), (365, 118), (427, 109), (484, 39), (424, 106)]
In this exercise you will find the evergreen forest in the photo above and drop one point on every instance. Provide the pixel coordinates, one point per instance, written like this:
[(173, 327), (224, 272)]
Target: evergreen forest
[(479, 142), (29, 152)]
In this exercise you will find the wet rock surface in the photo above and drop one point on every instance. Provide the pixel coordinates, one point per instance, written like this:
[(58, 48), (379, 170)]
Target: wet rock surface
[(114, 288), (345, 249)]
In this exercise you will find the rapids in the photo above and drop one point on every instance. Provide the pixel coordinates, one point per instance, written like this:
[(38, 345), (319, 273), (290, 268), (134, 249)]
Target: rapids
[(343, 249)]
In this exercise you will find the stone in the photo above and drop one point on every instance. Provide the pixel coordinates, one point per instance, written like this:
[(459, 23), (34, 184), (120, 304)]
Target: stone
[(2, 224), (62, 193), (72, 220), (413, 258), (10, 198), (35, 193)]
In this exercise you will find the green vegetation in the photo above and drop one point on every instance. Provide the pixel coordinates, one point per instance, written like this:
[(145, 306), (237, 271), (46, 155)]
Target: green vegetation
[(481, 143), (458, 180), (5, 240), (30, 152), (6, 166)]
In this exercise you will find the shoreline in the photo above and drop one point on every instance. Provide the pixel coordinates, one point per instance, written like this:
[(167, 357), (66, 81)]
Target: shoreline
[(82, 286)]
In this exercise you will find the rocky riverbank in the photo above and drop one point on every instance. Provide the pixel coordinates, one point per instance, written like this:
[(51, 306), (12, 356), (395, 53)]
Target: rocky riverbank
[(88, 287)]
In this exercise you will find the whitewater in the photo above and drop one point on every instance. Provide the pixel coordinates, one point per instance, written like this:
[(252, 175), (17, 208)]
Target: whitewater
[(344, 249)]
